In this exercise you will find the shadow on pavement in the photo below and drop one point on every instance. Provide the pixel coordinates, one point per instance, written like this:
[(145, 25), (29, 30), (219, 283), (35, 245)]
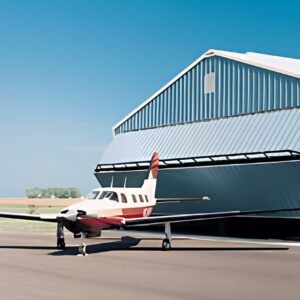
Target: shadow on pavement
[(124, 244), (128, 243)]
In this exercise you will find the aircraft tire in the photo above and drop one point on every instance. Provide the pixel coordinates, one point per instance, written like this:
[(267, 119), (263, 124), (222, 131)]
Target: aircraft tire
[(61, 244), (166, 245)]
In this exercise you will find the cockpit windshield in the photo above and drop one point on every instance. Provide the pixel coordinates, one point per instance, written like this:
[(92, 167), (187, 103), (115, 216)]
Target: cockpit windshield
[(92, 195), (103, 194), (109, 195)]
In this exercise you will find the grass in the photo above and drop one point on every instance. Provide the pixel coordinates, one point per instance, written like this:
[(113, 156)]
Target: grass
[(21, 225)]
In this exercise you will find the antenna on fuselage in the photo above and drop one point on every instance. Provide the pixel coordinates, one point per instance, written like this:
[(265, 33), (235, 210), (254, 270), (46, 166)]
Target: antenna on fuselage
[(125, 181), (112, 181)]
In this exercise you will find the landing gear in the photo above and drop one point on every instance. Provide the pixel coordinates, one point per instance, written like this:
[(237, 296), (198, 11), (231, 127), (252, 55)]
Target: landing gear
[(167, 241), (166, 244), (82, 246), (60, 236)]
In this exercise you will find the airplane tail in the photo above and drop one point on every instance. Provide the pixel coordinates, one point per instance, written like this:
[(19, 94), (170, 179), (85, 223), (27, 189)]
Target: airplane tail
[(150, 183), (153, 170)]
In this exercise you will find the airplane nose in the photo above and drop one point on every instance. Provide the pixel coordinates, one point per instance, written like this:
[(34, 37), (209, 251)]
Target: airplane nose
[(81, 213), (71, 215)]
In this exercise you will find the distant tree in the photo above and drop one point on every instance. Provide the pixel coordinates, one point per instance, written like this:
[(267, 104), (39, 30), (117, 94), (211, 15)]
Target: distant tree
[(70, 192), (74, 193), (33, 193)]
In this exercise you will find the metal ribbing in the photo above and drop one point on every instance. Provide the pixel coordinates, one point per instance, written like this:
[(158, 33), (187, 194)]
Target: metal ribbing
[(277, 130), (239, 89)]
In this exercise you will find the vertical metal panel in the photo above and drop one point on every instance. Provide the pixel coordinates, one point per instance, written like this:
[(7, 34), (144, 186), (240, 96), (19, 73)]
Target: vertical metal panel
[(298, 92), (233, 89), (239, 89), (206, 96), (217, 87), (228, 78), (197, 86), (201, 92), (209, 98), (176, 108)]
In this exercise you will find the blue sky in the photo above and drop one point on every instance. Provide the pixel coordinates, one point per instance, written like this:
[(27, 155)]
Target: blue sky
[(69, 70)]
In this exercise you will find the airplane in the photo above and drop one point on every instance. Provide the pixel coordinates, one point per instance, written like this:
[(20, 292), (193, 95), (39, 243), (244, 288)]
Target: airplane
[(123, 208)]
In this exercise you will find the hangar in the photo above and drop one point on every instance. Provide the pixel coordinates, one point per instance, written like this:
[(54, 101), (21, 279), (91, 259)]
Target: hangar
[(228, 127)]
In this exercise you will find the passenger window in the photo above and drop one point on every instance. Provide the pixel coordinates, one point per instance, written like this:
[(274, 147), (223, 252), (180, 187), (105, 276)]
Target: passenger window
[(141, 198), (146, 197), (134, 198), (114, 197), (123, 198)]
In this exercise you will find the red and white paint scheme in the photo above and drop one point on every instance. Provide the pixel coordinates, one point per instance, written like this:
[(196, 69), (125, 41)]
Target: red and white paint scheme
[(121, 208), (107, 207)]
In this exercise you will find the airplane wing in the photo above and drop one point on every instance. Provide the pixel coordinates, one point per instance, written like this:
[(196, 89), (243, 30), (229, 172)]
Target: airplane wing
[(168, 200), (158, 220), (20, 216)]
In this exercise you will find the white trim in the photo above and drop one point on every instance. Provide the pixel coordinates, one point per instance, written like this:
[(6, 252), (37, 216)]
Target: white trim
[(247, 58), (204, 166)]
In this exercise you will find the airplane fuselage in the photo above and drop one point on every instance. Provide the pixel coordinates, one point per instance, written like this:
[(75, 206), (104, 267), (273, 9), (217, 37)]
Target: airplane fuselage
[(105, 208)]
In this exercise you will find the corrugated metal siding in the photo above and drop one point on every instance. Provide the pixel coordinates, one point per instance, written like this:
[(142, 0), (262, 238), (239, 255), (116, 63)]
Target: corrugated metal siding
[(277, 130), (239, 89)]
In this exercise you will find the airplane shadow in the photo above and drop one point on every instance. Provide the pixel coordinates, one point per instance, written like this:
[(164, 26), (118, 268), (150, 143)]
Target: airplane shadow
[(127, 243)]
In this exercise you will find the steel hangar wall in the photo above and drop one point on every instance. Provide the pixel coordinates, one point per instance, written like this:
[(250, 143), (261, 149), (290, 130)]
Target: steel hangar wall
[(228, 127)]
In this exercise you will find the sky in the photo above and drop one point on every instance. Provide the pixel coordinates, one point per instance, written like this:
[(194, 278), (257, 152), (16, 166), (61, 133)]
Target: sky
[(70, 70)]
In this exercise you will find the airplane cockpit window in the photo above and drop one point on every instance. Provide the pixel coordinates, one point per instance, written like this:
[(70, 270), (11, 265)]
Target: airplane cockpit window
[(123, 198), (103, 194), (114, 196), (141, 198), (108, 195), (134, 198), (92, 195)]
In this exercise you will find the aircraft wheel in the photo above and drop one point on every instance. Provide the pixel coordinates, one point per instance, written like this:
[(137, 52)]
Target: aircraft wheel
[(166, 245), (82, 250), (61, 244)]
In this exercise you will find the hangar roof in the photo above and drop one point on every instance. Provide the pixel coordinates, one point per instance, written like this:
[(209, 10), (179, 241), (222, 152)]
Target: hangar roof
[(283, 65), (269, 131)]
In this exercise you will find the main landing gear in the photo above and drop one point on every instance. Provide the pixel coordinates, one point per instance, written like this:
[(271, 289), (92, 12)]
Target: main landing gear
[(167, 241), (60, 236), (82, 246)]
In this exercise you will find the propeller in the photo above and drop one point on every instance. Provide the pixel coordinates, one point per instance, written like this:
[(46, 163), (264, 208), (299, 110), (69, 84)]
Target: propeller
[(73, 215)]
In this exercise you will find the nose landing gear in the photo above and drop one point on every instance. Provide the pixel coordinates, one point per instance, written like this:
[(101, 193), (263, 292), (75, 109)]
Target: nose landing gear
[(60, 236)]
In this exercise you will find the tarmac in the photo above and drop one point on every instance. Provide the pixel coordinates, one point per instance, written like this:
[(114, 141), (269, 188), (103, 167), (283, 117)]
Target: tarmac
[(122, 266)]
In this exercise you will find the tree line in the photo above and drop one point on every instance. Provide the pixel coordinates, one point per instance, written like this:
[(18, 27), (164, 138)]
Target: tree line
[(69, 192)]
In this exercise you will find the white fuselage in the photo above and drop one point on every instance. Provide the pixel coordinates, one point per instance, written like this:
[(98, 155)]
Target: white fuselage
[(109, 203)]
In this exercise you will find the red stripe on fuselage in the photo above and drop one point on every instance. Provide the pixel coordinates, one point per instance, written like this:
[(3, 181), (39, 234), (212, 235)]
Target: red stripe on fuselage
[(136, 212), (112, 221)]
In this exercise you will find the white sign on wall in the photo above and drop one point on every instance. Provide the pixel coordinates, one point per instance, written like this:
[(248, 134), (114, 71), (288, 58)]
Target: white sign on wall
[(209, 83)]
